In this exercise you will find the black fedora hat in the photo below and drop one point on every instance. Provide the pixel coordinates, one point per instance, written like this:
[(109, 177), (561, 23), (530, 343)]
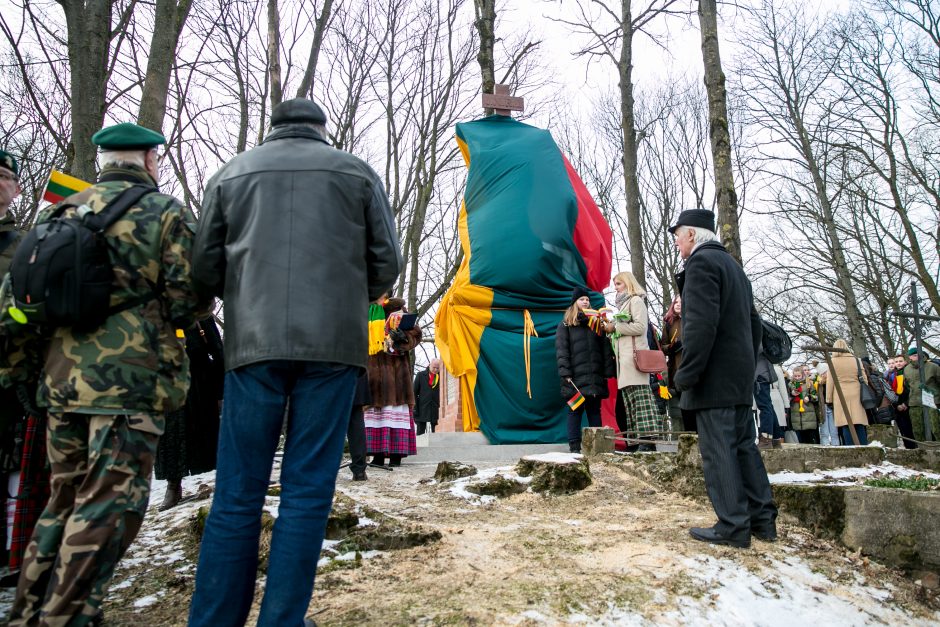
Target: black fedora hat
[(702, 218)]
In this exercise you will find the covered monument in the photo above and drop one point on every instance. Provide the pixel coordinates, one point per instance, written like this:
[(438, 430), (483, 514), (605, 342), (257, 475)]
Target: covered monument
[(530, 233)]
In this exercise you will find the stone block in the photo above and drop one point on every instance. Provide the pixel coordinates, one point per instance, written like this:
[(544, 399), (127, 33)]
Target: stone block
[(886, 434), (926, 459), (597, 440), (498, 486), (897, 527), (810, 458)]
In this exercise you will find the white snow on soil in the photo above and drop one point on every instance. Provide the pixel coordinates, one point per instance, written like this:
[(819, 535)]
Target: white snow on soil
[(849, 476), (556, 458), (458, 487)]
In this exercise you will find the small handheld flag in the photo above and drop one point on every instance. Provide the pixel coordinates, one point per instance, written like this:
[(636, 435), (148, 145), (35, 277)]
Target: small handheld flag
[(60, 186), (578, 399)]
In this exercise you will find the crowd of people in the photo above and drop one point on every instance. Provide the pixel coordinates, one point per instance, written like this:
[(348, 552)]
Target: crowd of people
[(298, 241)]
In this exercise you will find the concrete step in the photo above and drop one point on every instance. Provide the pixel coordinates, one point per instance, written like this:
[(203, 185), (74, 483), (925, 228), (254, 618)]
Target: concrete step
[(472, 438), (509, 453)]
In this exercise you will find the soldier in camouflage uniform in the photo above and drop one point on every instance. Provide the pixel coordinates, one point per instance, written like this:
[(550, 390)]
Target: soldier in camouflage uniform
[(9, 189), (107, 391)]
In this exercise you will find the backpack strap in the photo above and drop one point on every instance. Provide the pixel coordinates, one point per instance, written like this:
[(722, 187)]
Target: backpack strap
[(116, 208)]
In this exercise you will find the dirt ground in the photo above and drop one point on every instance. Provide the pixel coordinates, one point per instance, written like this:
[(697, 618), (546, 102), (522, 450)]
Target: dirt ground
[(616, 553)]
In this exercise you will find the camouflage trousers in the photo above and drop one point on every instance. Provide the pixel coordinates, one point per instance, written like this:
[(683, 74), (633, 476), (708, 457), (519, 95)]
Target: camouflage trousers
[(917, 423), (100, 486)]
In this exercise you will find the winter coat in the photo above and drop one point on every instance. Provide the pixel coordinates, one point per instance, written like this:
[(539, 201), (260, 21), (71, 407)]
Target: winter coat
[(427, 398), (912, 383), (672, 346), (624, 334), (297, 237), (390, 375), (779, 396), (721, 331), (845, 368), (808, 418), (584, 357)]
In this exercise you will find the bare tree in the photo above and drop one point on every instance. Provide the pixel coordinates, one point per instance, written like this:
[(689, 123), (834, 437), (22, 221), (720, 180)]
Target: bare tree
[(610, 27), (727, 198)]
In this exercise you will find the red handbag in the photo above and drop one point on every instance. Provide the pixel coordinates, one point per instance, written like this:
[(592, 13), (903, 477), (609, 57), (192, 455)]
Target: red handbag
[(648, 361)]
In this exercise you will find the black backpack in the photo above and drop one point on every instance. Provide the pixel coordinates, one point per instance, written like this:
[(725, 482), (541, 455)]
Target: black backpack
[(776, 343), (62, 275)]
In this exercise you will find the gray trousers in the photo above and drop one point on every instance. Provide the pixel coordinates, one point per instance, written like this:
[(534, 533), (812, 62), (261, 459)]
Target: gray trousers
[(735, 477)]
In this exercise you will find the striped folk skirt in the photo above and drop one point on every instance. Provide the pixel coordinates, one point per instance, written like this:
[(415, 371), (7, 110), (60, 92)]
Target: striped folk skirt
[(390, 430)]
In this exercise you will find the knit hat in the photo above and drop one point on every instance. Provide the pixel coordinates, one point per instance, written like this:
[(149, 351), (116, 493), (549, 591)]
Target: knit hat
[(392, 305), (578, 292)]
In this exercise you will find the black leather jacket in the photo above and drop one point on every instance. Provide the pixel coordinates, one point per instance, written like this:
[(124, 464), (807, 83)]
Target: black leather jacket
[(297, 237)]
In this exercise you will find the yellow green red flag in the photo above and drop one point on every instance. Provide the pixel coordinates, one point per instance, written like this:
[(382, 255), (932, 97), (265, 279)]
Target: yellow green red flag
[(61, 185)]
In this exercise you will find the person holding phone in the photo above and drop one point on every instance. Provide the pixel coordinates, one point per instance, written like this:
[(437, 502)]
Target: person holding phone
[(390, 431)]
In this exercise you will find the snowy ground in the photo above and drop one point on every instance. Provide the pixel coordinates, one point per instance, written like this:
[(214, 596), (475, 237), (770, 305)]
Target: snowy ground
[(849, 476), (617, 553)]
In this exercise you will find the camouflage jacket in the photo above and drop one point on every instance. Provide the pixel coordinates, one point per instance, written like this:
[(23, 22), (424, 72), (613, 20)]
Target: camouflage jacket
[(134, 362), (7, 248)]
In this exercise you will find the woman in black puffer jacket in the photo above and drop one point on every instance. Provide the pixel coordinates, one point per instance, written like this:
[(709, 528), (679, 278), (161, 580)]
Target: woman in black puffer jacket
[(585, 362)]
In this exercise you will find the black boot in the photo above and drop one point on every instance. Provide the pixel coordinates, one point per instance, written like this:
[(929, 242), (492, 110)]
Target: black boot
[(174, 492), (377, 460)]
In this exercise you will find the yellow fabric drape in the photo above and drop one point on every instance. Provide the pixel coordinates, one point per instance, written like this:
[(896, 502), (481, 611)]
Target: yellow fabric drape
[(528, 332)]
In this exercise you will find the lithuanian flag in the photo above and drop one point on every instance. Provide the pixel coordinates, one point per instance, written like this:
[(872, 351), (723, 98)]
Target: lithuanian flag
[(61, 186)]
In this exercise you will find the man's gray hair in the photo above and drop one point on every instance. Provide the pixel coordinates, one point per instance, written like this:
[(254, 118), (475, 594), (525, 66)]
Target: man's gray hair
[(122, 158), (701, 235)]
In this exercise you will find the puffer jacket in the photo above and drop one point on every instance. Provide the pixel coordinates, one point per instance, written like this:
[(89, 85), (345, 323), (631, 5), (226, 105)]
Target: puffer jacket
[(297, 237), (584, 357)]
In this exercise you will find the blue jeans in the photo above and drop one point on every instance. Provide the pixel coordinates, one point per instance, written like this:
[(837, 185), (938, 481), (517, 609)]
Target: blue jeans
[(256, 396), (828, 434), (592, 405), (768, 417), (860, 430)]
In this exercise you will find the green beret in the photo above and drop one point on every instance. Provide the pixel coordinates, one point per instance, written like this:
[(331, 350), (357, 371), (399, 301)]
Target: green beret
[(7, 161), (912, 351), (127, 136)]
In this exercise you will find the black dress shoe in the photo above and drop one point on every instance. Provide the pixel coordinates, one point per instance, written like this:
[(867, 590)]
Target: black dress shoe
[(767, 533), (709, 534)]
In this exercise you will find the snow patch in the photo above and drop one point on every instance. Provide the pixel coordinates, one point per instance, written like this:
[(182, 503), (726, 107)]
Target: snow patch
[(148, 600), (848, 476), (556, 458)]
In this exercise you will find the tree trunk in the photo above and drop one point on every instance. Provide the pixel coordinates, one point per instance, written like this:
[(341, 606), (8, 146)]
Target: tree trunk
[(170, 17), (486, 26), (306, 84), (725, 196), (274, 53), (628, 125), (89, 36)]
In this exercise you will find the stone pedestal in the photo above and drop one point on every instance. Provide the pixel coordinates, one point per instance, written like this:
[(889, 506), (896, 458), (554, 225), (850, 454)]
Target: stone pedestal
[(597, 440)]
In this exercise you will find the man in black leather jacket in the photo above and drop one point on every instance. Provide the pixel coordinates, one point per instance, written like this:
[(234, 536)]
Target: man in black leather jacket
[(297, 237)]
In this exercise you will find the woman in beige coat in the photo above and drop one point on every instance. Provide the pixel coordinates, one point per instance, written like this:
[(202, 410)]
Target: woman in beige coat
[(630, 325), (845, 367)]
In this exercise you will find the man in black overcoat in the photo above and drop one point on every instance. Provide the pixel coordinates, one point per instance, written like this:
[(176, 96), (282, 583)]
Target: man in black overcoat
[(721, 335), (427, 397)]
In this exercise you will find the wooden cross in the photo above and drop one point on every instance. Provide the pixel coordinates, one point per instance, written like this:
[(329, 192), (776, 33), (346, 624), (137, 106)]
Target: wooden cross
[(832, 379), (501, 102)]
